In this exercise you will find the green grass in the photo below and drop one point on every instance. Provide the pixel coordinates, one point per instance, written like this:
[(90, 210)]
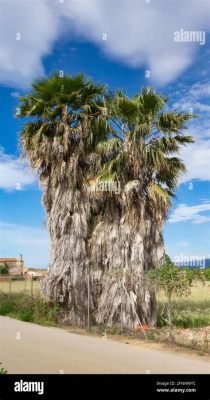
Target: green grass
[(188, 312), (20, 286), (28, 309)]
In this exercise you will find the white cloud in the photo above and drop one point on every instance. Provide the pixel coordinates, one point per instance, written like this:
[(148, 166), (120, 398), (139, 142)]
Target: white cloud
[(197, 161), (139, 34), (14, 173), (190, 98), (193, 214), (32, 243), (193, 106), (196, 156), (37, 24), (200, 89)]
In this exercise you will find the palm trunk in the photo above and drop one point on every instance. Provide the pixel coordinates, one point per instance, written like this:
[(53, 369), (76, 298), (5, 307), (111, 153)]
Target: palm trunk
[(125, 243), (114, 250), (66, 281), (67, 213)]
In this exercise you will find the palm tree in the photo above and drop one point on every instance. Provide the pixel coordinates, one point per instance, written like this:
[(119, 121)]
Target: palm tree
[(127, 236), (66, 124), (79, 134)]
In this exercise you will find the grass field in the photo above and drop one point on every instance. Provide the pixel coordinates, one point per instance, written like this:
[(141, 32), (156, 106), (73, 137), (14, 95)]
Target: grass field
[(188, 312), (18, 286), (191, 311)]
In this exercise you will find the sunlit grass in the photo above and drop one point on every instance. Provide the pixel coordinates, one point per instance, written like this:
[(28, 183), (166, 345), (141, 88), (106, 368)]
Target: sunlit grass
[(20, 286), (190, 311)]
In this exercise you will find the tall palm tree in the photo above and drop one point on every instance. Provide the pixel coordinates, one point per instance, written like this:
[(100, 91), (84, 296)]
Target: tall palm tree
[(80, 135), (66, 124), (127, 237)]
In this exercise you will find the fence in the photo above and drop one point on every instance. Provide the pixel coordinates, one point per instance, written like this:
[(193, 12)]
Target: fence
[(190, 311), (11, 285), (16, 285)]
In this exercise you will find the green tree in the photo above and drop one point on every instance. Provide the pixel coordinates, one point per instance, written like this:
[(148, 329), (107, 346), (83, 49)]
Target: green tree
[(173, 282)]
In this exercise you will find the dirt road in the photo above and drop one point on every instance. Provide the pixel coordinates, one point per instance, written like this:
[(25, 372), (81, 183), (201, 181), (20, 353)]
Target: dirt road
[(30, 348)]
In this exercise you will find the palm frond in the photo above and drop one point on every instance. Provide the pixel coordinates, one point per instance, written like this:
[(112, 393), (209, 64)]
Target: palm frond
[(149, 102), (158, 193), (172, 121), (110, 147)]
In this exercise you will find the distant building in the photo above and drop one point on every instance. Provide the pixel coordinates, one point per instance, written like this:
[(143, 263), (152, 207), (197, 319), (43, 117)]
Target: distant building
[(14, 266), (34, 273)]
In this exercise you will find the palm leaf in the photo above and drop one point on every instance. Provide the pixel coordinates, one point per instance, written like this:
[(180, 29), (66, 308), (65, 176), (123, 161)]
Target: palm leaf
[(157, 192)]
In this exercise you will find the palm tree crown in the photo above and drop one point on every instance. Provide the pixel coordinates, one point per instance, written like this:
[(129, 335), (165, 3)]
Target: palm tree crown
[(147, 140), (134, 139)]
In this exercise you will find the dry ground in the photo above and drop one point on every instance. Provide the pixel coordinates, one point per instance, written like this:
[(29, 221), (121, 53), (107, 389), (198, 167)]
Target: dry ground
[(41, 349)]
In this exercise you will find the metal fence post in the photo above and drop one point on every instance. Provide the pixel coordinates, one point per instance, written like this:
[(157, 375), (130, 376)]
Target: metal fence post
[(10, 284), (122, 297), (88, 299), (121, 304), (25, 286), (32, 286)]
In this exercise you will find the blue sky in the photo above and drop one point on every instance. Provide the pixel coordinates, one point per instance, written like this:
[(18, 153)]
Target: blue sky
[(69, 36)]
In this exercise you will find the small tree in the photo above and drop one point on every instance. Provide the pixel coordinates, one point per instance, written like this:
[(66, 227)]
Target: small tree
[(173, 281)]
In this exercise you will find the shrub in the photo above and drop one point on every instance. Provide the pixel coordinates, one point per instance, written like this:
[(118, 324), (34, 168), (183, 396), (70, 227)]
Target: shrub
[(193, 274), (3, 269), (26, 316), (206, 273), (25, 308)]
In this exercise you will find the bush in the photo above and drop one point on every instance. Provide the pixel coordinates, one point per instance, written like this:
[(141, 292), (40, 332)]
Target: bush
[(193, 274), (3, 270), (184, 318), (25, 308), (206, 273), (198, 274), (5, 308), (26, 316)]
